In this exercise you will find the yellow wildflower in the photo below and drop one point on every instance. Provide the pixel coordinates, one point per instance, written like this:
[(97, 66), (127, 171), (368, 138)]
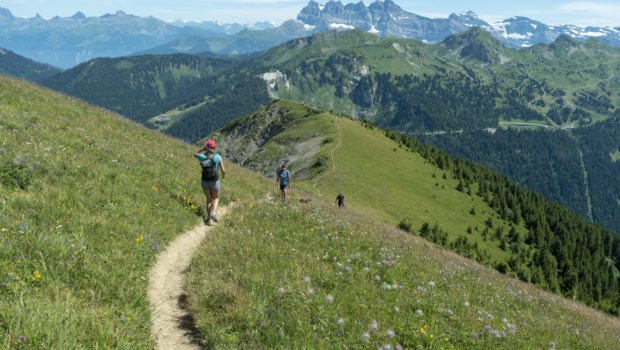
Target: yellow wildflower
[(154, 188), (36, 275)]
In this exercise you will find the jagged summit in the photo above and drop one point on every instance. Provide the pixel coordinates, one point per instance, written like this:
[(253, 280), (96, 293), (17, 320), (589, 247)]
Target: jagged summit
[(79, 15)]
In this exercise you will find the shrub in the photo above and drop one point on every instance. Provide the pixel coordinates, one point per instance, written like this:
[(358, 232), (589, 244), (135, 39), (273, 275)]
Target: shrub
[(405, 225), (12, 176), (321, 164)]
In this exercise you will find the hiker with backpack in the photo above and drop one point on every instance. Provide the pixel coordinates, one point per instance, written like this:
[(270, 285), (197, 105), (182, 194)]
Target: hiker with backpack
[(283, 180), (340, 199), (210, 163)]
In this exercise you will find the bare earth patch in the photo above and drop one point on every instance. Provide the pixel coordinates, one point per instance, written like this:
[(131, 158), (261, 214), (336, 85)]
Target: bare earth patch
[(172, 325)]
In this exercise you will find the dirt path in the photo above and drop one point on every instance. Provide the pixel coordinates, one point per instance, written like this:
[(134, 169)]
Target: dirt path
[(332, 152), (172, 325), (337, 145)]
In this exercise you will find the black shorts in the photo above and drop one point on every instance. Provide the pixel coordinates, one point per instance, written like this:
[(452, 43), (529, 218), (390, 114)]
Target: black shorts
[(283, 187)]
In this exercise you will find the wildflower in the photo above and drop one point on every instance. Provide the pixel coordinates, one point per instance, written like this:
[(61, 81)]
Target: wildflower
[(329, 298), (310, 290), (366, 269), (340, 322), (154, 188), (36, 275), (449, 312), (377, 278), (431, 283), (307, 280), (374, 326), (365, 336), (390, 333), (551, 345), (419, 312), (512, 329)]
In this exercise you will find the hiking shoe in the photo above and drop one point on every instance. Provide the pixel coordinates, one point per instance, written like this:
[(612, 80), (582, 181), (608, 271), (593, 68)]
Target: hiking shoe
[(214, 217), (207, 220)]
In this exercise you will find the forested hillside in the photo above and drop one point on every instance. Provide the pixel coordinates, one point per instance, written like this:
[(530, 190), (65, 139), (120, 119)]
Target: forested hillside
[(142, 87), (576, 167), (561, 251), (14, 65)]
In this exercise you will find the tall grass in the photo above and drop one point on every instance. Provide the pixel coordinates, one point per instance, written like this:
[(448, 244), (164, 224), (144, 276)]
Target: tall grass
[(89, 200), (313, 277)]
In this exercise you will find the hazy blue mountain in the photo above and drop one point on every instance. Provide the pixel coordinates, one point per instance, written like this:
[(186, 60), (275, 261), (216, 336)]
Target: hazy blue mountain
[(245, 41), (67, 41), (17, 66)]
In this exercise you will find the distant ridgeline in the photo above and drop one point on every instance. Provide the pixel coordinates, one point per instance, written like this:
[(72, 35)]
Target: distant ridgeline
[(570, 256)]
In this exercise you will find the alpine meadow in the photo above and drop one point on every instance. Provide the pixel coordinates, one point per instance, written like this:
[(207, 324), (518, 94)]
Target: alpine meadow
[(454, 181)]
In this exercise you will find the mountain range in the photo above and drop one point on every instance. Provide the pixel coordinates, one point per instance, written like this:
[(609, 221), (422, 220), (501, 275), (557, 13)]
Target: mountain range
[(387, 19), (67, 41)]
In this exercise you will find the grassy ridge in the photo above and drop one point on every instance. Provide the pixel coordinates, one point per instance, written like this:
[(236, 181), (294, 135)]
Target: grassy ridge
[(87, 200), (309, 276), (380, 178)]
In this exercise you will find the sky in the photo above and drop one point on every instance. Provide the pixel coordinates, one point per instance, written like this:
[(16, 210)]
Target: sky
[(552, 12)]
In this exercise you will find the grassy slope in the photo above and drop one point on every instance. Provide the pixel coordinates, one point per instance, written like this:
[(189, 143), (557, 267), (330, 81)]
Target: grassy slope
[(102, 198), (288, 259), (310, 276), (379, 179)]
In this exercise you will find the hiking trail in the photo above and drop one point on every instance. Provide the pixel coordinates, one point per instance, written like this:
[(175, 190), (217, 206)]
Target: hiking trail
[(172, 324), (332, 152)]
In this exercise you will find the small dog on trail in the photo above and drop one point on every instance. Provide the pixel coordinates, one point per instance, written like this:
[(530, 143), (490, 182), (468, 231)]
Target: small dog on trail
[(305, 200)]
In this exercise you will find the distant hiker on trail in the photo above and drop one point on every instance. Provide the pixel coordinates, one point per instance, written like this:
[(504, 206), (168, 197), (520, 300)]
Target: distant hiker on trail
[(210, 163), (340, 200), (283, 180)]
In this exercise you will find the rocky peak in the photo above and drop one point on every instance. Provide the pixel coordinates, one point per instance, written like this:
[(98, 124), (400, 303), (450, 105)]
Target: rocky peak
[(78, 15), (6, 15)]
